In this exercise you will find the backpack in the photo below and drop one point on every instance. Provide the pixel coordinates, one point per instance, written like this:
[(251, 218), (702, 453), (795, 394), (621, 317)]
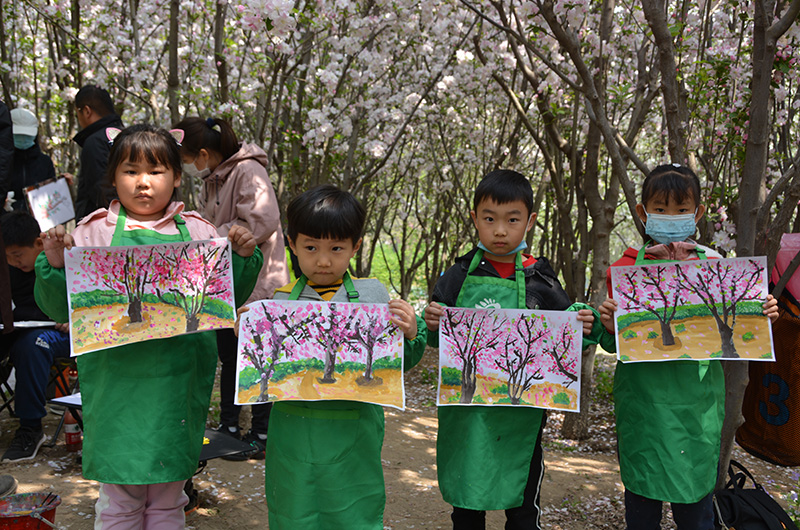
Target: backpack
[(740, 508)]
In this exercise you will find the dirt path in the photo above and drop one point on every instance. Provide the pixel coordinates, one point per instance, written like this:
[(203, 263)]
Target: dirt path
[(581, 489)]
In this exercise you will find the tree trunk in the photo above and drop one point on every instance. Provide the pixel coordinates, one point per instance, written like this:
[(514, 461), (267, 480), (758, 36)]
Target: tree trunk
[(263, 387), (135, 310), (468, 383), (726, 336), (192, 323), (576, 426), (330, 364), (368, 370), (667, 337)]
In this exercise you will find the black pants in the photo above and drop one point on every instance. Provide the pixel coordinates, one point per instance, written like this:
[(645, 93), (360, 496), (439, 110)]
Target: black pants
[(525, 517), (228, 412), (642, 513)]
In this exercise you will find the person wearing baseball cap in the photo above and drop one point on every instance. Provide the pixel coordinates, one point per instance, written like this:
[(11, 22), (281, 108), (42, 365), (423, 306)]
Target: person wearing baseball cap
[(31, 165)]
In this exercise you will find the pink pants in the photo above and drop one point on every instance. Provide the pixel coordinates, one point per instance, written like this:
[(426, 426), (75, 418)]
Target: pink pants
[(141, 507)]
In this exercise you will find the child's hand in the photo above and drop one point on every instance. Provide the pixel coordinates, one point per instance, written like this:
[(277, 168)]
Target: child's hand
[(587, 318), (771, 308), (433, 314), (62, 327), (55, 241), (239, 313), (404, 318), (242, 240), (606, 311)]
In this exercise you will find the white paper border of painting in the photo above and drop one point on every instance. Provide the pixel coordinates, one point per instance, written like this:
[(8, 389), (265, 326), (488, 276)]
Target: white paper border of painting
[(241, 341), (43, 189), (561, 317), (70, 255), (764, 286)]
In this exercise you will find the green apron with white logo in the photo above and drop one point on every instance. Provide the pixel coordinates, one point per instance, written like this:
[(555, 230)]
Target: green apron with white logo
[(483, 453), (323, 465), (669, 421), (145, 404)]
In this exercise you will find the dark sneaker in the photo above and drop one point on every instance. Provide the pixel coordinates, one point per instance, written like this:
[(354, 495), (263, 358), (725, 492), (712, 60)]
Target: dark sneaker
[(224, 429), (256, 452), (8, 485), (25, 445)]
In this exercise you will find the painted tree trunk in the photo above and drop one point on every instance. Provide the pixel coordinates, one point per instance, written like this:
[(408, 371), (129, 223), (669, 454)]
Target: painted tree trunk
[(135, 310), (368, 371), (192, 323), (264, 387), (468, 382), (667, 337), (330, 364), (728, 347), (514, 393)]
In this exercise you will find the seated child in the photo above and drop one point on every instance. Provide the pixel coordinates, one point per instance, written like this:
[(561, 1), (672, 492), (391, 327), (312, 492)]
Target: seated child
[(490, 458), (323, 458), (32, 350)]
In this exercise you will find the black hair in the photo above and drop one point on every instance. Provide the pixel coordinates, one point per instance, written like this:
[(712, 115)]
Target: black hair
[(326, 212), (144, 143), (673, 182), (95, 97), (19, 229), (211, 134), (504, 186)]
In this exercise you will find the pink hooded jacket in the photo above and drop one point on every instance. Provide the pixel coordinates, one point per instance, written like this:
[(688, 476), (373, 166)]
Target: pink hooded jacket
[(239, 191)]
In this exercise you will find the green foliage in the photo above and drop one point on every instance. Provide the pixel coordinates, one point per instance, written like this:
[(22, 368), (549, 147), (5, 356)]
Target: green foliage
[(478, 399), (752, 307), (561, 398), (285, 370), (248, 377), (748, 336), (387, 363), (624, 358), (451, 376), (680, 328), (767, 355), (504, 400), (685, 356), (716, 354), (502, 389), (652, 335), (428, 377), (629, 334), (604, 384), (349, 366), (97, 297)]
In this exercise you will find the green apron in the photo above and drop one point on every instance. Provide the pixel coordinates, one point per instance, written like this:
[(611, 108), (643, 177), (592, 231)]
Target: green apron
[(483, 453), (323, 465), (669, 422), (145, 404)]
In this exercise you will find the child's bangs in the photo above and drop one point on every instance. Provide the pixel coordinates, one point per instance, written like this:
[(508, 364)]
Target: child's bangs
[(671, 187), (152, 149), (327, 222)]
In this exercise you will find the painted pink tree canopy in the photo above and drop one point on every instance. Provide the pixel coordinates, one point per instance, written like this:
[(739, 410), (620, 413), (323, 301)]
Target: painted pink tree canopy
[(697, 309), (119, 295), (293, 350), (509, 357)]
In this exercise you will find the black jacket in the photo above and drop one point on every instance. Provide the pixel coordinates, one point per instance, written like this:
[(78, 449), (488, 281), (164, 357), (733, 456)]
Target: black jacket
[(6, 152), (31, 166), (542, 288), (94, 191)]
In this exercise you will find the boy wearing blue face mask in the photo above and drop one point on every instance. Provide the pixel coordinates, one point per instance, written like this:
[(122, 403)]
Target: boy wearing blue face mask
[(490, 458), (669, 415), (30, 165)]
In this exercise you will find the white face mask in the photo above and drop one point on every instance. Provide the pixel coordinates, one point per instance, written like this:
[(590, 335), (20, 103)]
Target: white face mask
[(192, 171)]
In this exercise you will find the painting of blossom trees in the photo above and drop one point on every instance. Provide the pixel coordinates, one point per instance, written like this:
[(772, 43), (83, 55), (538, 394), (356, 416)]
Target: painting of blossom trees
[(120, 295), (312, 351), (699, 309), (510, 357), (50, 202)]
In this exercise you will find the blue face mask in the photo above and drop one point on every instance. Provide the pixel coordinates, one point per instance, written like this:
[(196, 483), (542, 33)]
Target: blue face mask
[(666, 229), (522, 246), (23, 141)]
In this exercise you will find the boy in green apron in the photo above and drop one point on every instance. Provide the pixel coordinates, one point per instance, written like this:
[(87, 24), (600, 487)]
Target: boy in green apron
[(490, 458), (669, 415), (323, 458)]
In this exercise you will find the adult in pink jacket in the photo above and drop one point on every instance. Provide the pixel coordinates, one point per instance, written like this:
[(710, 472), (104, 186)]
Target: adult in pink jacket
[(237, 190)]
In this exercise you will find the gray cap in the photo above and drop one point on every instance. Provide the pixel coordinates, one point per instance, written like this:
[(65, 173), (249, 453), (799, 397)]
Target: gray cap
[(24, 122)]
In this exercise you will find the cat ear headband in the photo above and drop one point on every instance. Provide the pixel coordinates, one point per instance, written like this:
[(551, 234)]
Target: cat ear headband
[(113, 132)]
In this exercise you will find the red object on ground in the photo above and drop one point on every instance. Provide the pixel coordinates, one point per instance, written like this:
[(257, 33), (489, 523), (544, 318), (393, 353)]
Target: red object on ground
[(72, 432)]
